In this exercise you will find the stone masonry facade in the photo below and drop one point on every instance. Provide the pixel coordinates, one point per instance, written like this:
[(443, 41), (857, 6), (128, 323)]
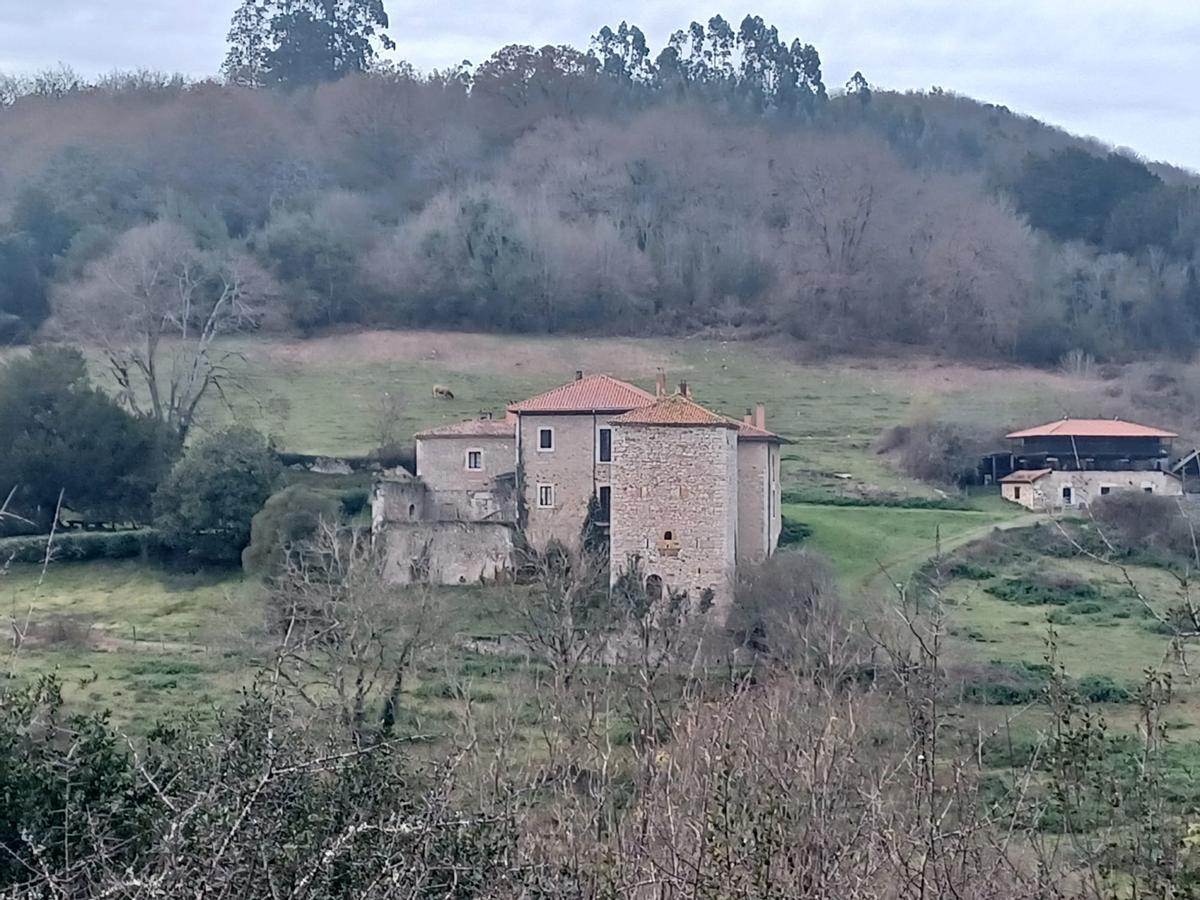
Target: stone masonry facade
[(675, 507), (689, 493), (570, 469), (1045, 493), (759, 499)]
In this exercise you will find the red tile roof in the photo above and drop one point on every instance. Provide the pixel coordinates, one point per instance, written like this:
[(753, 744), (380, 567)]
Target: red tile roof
[(1093, 428), (593, 393), (1025, 476), (675, 409), (750, 432), (481, 428)]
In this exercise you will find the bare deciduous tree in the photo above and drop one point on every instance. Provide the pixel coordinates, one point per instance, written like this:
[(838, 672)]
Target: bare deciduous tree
[(348, 637), (158, 305)]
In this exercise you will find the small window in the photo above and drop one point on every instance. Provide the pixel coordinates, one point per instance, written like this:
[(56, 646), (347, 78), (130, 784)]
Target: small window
[(475, 460), (668, 535), (1148, 488), (1105, 490), (545, 496), (1016, 492), (604, 497), (604, 445), (1066, 494), (545, 439)]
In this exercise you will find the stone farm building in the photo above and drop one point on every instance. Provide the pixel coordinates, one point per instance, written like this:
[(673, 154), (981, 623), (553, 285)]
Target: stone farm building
[(1067, 464), (686, 492)]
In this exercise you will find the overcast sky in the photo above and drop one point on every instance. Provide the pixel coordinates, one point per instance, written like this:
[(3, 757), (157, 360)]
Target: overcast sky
[(1126, 72)]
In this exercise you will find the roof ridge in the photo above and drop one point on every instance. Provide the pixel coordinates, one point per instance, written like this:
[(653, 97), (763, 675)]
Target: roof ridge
[(1092, 427), (674, 409), (599, 391)]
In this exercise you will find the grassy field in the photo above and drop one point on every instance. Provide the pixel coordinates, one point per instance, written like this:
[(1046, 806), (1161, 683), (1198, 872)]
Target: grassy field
[(863, 543)]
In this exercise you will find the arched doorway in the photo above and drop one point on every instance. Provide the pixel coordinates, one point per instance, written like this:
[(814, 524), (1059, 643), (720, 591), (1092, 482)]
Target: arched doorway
[(654, 587)]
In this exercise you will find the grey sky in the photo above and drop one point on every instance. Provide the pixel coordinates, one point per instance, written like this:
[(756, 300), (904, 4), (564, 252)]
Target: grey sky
[(1123, 71)]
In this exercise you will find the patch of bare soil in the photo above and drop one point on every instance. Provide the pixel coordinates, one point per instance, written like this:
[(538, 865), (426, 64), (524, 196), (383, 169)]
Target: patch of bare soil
[(479, 353)]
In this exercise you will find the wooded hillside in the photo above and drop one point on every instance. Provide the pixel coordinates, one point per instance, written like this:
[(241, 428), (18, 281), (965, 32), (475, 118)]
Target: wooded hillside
[(716, 185)]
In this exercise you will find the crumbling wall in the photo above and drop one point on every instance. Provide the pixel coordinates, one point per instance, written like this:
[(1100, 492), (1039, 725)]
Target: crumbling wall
[(446, 552), (398, 500)]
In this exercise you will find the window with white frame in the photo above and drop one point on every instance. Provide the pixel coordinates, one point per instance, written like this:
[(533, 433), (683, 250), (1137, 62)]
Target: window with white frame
[(604, 445), (475, 460), (545, 496), (545, 441)]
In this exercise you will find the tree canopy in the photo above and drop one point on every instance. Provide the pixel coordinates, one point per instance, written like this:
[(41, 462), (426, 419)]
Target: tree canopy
[(710, 184), (61, 436), (303, 42), (205, 506)]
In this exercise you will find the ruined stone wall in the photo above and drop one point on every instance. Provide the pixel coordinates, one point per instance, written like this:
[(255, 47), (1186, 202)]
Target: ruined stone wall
[(445, 552), (675, 506), (402, 499), (571, 467), (442, 461)]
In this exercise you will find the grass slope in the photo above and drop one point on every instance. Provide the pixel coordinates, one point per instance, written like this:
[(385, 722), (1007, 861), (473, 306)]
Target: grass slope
[(861, 542), (317, 396)]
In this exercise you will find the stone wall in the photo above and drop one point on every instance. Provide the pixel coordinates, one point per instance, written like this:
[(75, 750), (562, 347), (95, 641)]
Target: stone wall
[(775, 512), (446, 552), (1046, 494), (754, 484), (571, 467), (675, 506), (401, 498), (442, 461), (759, 497)]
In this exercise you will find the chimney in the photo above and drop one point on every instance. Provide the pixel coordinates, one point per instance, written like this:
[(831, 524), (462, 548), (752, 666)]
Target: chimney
[(579, 374), (748, 418), (660, 382), (684, 390), (760, 417)]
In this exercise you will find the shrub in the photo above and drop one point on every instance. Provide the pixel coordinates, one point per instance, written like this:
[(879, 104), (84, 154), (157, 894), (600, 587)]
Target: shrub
[(791, 532), (1102, 689), (787, 609), (1005, 751), (1044, 590), (970, 571), (81, 546), (354, 502), (942, 452), (1002, 683), (205, 505), (1145, 522), (887, 501), (287, 518)]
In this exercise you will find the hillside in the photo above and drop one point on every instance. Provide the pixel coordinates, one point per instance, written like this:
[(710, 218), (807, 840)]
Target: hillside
[(620, 190)]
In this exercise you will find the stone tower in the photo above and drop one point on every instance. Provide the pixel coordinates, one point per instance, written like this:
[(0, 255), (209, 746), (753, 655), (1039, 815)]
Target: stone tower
[(674, 497)]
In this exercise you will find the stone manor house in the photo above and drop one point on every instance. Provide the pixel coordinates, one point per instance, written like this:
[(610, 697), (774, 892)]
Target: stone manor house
[(687, 492)]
